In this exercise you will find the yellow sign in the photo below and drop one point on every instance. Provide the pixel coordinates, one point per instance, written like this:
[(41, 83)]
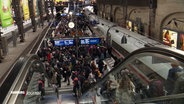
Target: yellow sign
[(25, 9)]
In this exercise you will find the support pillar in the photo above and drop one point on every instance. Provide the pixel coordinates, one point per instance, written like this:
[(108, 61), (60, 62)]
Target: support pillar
[(19, 19), (125, 7), (32, 15), (152, 13), (111, 14), (4, 44), (46, 10), (40, 7), (1, 50), (14, 35), (52, 7)]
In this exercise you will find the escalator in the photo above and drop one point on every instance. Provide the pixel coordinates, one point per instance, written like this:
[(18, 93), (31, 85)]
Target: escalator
[(11, 78), (142, 77), (64, 95), (24, 85)]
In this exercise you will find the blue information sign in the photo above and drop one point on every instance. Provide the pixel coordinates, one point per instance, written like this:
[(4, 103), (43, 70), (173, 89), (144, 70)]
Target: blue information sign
[(89, 41), (68, 42)]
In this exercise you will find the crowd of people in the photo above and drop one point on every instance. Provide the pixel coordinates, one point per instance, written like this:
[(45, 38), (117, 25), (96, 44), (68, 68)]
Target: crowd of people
[(81, 64), (62, 62)]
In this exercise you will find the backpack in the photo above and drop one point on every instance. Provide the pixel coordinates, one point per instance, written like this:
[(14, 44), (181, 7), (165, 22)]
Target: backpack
[(156, 88)]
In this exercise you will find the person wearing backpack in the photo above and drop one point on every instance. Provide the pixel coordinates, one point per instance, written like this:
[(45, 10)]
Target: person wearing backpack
[(41, 88), (75, 85), (172, 77), (156, 87)]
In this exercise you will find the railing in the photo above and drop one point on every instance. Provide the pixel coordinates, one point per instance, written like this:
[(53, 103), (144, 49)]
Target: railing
[(17, 92), (24, 73)]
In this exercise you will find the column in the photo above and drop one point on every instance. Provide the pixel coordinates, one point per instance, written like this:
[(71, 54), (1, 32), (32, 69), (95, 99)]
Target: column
[(46, 10), (19, 19), (125, 6), (40, 7), (32, 15)]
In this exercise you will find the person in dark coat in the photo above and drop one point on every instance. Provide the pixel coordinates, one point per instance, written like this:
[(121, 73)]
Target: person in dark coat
[(41, 87), (171, 78), (58, 78), (100, 65), (68, 74)]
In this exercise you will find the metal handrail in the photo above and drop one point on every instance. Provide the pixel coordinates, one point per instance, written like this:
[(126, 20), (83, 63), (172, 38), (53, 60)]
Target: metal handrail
[(20, 79), (165, 51)]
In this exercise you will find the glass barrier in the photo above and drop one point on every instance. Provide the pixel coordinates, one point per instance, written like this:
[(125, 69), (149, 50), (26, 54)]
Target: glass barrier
[(147, 77), (32, 93)]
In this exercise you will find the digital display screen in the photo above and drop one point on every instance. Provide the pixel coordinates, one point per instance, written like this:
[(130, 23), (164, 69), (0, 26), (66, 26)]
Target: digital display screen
[(78, 14), (89, 41), (63, 14), (64, 42)]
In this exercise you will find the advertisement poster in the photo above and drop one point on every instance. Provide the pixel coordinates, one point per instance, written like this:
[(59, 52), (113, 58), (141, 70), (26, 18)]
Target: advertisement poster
[(181, 42), (170, 38), (5, 13), (25, 9), (35, 7)]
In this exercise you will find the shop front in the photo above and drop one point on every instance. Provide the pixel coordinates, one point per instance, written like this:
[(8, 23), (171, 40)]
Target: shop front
[(134, 26), (181, 41), (173, 38)]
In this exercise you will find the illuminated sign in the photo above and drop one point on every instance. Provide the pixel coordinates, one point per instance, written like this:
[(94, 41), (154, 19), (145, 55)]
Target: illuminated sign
[(63, 14), (89, 41), (64, 42)]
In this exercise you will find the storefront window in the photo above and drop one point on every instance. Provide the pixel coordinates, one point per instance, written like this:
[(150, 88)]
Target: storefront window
[(129, 25), (170, 38), (135, 28), (181, 41)]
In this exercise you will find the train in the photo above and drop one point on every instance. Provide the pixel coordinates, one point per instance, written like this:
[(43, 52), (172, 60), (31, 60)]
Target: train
[(121, 39), (124, 42), (141, 68)]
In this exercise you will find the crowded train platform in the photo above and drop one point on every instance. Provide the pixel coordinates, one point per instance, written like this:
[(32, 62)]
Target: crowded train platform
[(76, 55)]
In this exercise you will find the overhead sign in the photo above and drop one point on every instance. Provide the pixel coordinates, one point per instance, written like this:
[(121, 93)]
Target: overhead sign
[(63, 14), (89, 41), (64, 42)]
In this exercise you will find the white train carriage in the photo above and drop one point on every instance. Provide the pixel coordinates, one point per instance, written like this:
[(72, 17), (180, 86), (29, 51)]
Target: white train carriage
[(132, 41)]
